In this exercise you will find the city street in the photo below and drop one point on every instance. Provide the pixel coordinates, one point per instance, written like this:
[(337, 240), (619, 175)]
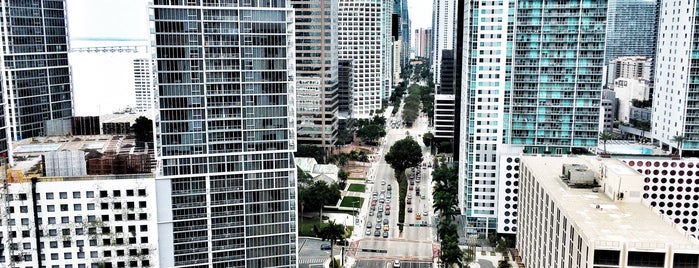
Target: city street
[(416, 245)]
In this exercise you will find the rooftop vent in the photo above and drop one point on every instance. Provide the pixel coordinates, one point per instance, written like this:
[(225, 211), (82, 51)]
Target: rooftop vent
[(578, 176)]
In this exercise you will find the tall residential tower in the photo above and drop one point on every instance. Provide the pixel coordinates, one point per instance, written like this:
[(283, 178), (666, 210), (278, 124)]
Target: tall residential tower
[(225, 132)]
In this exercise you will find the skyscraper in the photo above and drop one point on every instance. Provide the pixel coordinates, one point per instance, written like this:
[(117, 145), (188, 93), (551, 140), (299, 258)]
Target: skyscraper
[(361, 38), (631, 28), (143, 84), (443, 27), (36, 76), (316, 71), (387, 49), (676, 94), (536, 91), (225, 133)]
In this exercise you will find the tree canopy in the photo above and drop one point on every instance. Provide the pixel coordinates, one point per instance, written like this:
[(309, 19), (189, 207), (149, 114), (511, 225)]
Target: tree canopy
[(404, 154), (371, 133), (306, 150), (143, 129), (318, 194)]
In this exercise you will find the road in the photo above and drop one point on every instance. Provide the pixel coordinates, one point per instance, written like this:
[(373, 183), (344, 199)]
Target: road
[(415, 245)]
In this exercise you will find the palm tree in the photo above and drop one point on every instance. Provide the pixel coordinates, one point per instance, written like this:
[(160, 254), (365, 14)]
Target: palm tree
[(678, 139), (605, 136), (445, 204), (332, 232)]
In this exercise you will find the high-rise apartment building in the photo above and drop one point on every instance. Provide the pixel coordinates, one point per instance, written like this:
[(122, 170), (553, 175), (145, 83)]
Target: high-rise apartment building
[(443, 28), (36, 77), (316, 71), (387, 48), (676, 93), (536, 91), (362, 39), (225, 132), (631, 28), (423, 42), (143, 84), (444, 99)]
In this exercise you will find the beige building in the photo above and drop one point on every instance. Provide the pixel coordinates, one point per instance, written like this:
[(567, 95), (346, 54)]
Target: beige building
[(587, 212)]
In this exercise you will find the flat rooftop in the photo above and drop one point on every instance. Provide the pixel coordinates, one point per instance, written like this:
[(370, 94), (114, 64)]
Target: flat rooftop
[(603, 221)]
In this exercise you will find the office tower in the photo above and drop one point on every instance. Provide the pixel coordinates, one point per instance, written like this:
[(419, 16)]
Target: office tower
[(402, 8), (423, 42), (631, 28), (443, 27), (143, 83), (361, 39), (676, 93), (345, 88), (537, 91), (316, 71), (444, 99), (578, 213), (397, 61), (36, 79), (225, 133)]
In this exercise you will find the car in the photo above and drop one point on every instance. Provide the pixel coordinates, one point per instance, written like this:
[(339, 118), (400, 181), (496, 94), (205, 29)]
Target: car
[(380, 209), (385, 221), (424, 213), (387, 212), (411, 184), (388, 196), (396, 263), (377, 233), (388, 207), (377, 226), (382, 200), (375, 193), (385, 227), (411, 187), (410, 201), (368, 232), (374, 198), (410, 209), (388, 187), (373, 202), (383, 182), (418, 216), (422, 197), (371, 212), (368, 225), (325, 247), (385, 234), (378, 217)]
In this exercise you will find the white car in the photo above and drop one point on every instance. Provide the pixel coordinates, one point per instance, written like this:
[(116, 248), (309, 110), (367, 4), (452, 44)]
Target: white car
[(396, 264)]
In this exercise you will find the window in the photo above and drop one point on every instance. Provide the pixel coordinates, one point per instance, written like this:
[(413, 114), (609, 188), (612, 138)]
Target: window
[(103, 194), (130, 205), (104, 205), (142, 216), (76, 194), (25, 221), (68, 255), (118, 217), (117, 205), (64, 207), (91, 218), (54, 256), (144, 239), (90, 194), (105, 217), (141, 192), (26, 245), (53, 232), (52, 220), (129, 193), (90, 206), (65, 231), (78, 219), (63, 195), (79, 231), (50, 208), (117, 193), (119, 229), (93, 254), (53, 244), (49, 195), (144, 228), (66, 244), (77, 207), (142, 204), (23, 209), (65, 219)]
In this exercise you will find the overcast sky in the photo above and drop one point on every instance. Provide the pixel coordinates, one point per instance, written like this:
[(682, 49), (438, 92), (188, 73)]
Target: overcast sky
[(420, 12)]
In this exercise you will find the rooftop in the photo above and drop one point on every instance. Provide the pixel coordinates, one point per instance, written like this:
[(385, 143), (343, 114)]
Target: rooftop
[(604, 221)]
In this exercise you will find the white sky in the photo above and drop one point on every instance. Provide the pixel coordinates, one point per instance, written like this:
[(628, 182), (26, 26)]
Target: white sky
[(108, 19), (420, 12)]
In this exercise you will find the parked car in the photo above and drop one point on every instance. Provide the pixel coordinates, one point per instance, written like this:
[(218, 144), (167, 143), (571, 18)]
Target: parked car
[(368, 225), (385, 234), (418, 217), (385, 221), (325, 247), (377, 233), (410, 200), (385, 227), (373, 202), (368, 232), (388, 207), (387, 212), (410, 209), (378, 226), (388, 187), (396, 264), (424, 213), (371, 212)]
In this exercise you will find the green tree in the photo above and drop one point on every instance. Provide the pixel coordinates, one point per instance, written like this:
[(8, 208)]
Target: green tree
[(371, 133), (469, 256), (379, 120), (342, 176), (427, 139), (331, 232), (605, 136), (143, 129), (451, 253), (505, 263), (404, 154), (313, 151), (678, 140), (319, 194), (340, 159)]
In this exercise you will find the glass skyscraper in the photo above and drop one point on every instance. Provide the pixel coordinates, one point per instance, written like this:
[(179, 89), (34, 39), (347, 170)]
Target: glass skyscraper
[(631, 28), (225, 132), (36, 76)]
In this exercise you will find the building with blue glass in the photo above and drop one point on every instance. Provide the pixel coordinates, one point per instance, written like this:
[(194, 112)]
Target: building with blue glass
[(631, 28)]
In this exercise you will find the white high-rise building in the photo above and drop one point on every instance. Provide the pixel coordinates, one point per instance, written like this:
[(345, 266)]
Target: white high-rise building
[(443, 37), (225, 133), (143, 84), (361, 39), (387, 53), (676, 94)]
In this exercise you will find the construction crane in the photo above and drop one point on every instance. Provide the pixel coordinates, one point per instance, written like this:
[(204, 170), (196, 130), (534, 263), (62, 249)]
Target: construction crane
[(110, 49)]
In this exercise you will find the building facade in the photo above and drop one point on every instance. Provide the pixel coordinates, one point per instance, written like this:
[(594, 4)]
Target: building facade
[(36, 83), (676, 93), (530, 90), (631, 28), (445, 99), (443, 27), (345, 88), (629, 67), (143, 84), (566, 222), (316, 72), (361, 39), (225, 133)]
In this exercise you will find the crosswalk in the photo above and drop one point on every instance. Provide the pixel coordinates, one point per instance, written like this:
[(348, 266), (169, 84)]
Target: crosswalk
[(311, 260)]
